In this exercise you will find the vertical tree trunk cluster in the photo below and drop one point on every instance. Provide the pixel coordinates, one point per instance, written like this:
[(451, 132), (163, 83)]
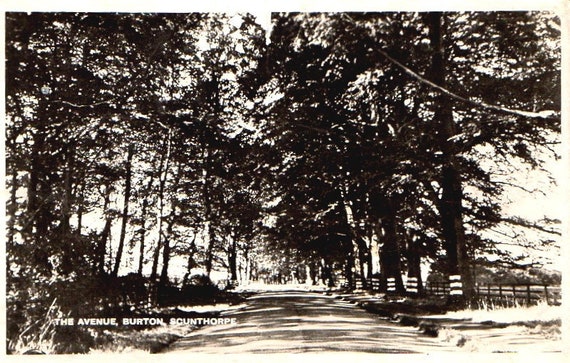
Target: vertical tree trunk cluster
[(450, 205), (125, 214)]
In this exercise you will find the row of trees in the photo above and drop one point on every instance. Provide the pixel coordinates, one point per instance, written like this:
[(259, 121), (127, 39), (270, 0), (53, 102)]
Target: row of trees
[(127, 145), (378, 148), (133, 139)]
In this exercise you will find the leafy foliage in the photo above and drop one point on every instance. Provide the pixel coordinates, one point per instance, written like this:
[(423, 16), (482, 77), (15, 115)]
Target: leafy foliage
[(350, 144)]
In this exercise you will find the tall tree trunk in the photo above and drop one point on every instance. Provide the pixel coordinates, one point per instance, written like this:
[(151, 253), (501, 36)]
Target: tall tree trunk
[(142, 241), (67, 194), (80, 210), (38, 212), (247, 263), (383, 268), (357, 243), (390, 252), (170, 226), (163, 170), (191, 263), (33, 181), (163, 175), (43, 177), (371, 245), (232, 258), (12, 208), (349, 266), (209, 249), (363, 257), (125, 214), (144, 210), (64, 228), (41, 214), (167, 238), (386, 230), (208, 213), (414, 261), (157, 249), (102, 246), (314, 272), (327, 273), (450, 205), (166, 257)]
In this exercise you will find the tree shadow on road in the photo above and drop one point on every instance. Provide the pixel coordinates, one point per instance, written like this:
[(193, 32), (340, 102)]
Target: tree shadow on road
[(294, 322)]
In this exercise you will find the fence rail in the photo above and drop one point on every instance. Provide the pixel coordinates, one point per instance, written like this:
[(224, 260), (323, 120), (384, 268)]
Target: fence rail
[(519, 292), (437, 288), (527, 293), (524, 293)]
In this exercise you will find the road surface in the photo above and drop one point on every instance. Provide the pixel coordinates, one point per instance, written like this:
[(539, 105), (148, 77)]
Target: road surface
[(303, 322)]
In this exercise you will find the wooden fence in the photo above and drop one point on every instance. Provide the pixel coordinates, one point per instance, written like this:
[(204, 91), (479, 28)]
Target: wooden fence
[(502, 293), (524, 293), (438, 288), (372, 284), (519, 293)]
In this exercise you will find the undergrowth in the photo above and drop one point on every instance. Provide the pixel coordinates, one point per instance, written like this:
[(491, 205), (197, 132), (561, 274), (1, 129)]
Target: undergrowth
[(513, 313)]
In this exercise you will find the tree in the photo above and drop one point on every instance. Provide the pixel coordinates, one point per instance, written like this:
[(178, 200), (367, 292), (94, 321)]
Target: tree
[(125, 214), (312, 53)]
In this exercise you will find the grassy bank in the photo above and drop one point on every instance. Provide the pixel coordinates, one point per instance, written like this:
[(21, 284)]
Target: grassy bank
[(541, 312), (49, 336), (515, 329)]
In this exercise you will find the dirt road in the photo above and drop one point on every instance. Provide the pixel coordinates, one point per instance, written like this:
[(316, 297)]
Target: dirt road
[(300, 322)]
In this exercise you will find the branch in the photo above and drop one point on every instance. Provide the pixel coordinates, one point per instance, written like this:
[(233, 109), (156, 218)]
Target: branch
[(505, 234), (522, 223), (317, 129), (85, 105), (530, 246), (549, 114), (511, 264), (519, 187)]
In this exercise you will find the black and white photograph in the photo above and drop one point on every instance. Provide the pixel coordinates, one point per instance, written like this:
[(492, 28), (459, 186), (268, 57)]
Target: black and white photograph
[(287, 180)]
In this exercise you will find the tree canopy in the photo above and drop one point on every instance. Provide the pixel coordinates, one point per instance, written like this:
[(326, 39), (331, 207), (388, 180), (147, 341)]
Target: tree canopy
[(337, 146)]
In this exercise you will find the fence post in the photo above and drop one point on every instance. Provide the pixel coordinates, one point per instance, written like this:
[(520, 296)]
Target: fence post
[(358, 283), (546, 294), (391, 284), (528, 294), (455, 285), (488, 291), (500, 292), (375, 284), (514, 295), (412, 285)]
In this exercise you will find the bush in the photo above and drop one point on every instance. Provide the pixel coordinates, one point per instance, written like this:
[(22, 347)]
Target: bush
[(35, 335), (199, 287), (199, 280)]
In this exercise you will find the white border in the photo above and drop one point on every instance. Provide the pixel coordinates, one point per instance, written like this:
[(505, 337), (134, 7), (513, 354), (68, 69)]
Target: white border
[(289, 5)]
